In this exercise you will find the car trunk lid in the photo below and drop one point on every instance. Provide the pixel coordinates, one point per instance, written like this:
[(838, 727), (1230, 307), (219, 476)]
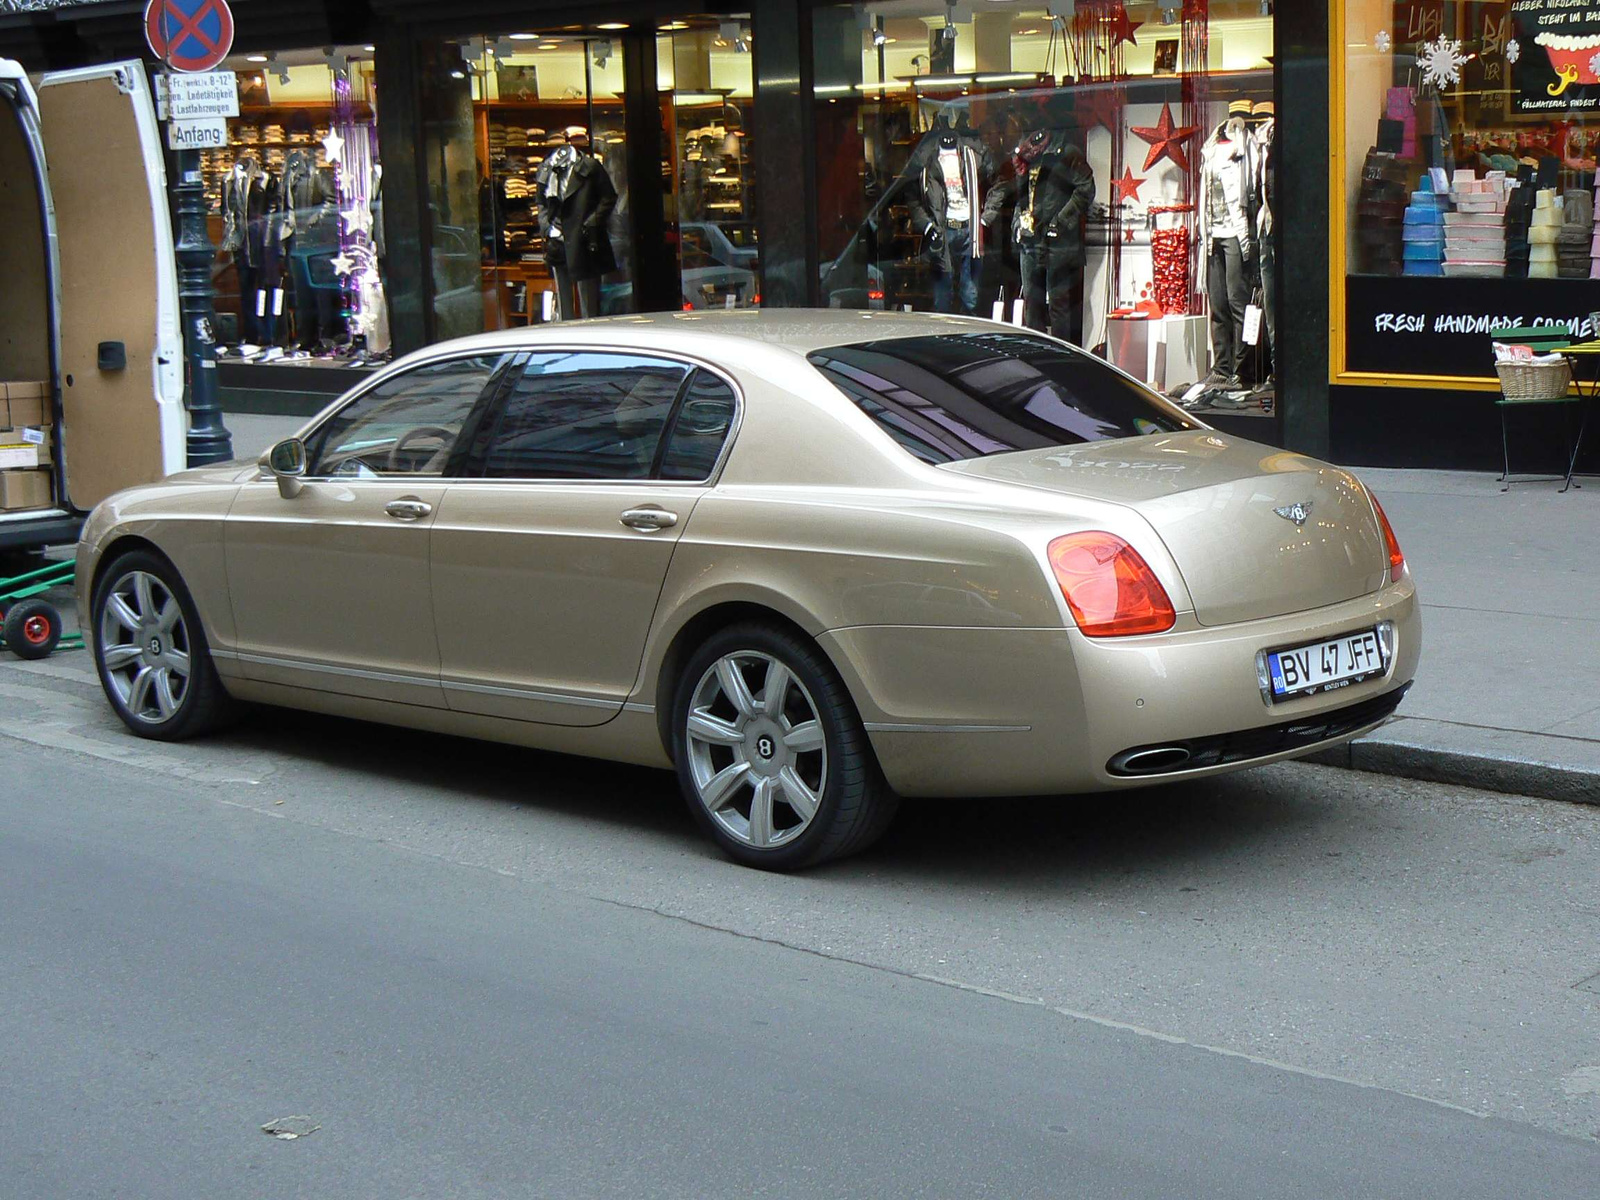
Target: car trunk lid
[(1256, 532)]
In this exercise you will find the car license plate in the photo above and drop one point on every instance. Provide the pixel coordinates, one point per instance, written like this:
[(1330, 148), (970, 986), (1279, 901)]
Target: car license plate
[(1325, 666)]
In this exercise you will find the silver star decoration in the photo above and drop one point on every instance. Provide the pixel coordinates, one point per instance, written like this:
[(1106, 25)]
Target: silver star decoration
[(334, 145), (357, 219), (342, 263)]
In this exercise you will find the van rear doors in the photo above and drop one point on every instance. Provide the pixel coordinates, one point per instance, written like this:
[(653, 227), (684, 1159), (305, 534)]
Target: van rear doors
[(117, 282)]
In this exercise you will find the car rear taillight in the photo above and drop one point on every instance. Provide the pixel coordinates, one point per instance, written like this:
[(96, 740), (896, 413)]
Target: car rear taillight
[(1110, 589), (1397, 560)]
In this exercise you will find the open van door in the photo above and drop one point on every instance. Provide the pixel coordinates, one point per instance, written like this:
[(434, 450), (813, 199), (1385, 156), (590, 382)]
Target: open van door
[(118, 282)]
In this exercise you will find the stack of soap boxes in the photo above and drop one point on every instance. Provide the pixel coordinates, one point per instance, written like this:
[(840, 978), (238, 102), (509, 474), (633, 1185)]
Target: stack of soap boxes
[(1542, 235), (1424, 231), (1574, 241), (1475, 233)]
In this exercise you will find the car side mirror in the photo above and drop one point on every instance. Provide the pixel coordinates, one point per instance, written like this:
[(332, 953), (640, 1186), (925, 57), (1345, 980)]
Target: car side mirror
[(287, 463)]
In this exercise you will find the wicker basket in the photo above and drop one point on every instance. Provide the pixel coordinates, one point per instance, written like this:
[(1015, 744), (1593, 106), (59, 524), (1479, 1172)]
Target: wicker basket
[(1534, 381)]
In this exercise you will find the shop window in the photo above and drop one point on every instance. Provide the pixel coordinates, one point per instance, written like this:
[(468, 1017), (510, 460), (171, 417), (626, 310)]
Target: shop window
[(1468, 137), (1103, 175), (527, 179), (296, 210), (706, 80)]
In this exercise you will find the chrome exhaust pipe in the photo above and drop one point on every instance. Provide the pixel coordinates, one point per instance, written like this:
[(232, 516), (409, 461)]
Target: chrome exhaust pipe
[(1151, 760)]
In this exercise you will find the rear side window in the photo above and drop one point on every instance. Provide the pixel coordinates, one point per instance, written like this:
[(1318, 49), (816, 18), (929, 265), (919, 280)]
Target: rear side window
[(699, 429), (956, 396), (584, 415)]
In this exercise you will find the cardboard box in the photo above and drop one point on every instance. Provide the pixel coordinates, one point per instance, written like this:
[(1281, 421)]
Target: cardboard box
[(24, 489), (25, 404), (14, 458)]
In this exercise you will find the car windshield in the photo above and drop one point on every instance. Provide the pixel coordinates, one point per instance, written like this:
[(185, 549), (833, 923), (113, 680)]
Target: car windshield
[(955, 396)]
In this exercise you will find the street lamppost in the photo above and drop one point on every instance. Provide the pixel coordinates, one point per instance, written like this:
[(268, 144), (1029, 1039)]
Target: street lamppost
[(209, 440)]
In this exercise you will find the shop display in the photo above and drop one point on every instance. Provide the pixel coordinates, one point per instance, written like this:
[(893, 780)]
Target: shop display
[(1474, 232), (1042, 167), (297, 213)]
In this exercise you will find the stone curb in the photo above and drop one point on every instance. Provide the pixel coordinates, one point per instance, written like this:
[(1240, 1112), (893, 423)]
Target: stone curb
[(1520, 764)]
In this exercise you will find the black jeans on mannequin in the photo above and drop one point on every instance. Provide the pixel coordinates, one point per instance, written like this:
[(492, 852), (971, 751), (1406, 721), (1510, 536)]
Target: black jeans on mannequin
[(1228, 287), (1052, 292), (249, 282), (1269, 295)]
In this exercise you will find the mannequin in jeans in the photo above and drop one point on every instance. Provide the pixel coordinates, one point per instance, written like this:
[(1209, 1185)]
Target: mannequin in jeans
[(1228, 237), (946, 204)]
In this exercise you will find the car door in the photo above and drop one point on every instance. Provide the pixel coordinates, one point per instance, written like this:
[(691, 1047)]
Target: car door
[(120, 364), (330, 586), (547, 568)]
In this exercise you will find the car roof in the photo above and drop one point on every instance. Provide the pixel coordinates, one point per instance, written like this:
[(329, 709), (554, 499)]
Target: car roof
[(797, 330)]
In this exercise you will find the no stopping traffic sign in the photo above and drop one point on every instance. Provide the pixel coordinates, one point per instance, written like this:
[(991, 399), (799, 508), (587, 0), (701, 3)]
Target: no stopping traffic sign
[(189, 35)]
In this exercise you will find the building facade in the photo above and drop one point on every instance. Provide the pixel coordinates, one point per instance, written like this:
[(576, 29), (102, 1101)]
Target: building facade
[(1196, 189)]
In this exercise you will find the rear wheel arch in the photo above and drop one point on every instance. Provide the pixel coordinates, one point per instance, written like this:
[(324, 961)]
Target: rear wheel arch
[(694, 633)]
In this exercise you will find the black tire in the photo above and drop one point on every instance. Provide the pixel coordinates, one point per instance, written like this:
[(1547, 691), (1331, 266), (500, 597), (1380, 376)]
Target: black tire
[(32, 629), (855, 805), (204, 704)]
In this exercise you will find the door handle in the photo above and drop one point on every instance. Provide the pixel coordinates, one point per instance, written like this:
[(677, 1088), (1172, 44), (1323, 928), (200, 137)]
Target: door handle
[(649, 519), (407, 510)]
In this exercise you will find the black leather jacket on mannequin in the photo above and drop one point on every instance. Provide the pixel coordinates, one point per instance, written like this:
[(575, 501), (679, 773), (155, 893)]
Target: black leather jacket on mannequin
[(929, 200), (1056, 190)]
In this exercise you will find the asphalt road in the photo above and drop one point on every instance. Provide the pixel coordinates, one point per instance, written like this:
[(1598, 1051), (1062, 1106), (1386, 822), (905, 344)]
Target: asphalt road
[(488, 972)]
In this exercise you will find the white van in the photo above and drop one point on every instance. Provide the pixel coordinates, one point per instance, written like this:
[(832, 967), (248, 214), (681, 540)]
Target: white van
[(91, 356)]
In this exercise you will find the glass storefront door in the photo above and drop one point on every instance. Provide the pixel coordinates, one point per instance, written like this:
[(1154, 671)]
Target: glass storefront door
[(705, 77)]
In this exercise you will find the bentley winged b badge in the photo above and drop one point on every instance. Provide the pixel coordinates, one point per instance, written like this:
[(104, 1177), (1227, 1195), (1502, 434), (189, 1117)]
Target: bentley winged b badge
[(1296, 512)]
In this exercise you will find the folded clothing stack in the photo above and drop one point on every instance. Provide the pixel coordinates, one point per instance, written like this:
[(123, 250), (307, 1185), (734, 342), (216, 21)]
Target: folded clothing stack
[(1380, 210), (1542, 235), (1575, 241), (1424, 231), (1475, 233)]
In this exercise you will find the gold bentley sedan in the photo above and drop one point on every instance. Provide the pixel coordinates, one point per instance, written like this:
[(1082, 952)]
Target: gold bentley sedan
[(817, 562)]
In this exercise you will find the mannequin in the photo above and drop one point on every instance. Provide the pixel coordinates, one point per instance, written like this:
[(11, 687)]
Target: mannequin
[(1227, 234), (249, 194), (953, 169), (311, 207), (1264, 178), (1055, 189), (576, 197)]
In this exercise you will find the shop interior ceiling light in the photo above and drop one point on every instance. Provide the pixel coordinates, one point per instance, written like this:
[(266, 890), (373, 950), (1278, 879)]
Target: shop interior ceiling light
[(602, 52)]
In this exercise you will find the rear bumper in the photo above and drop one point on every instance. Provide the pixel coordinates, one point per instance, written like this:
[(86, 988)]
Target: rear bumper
[(992, 712)]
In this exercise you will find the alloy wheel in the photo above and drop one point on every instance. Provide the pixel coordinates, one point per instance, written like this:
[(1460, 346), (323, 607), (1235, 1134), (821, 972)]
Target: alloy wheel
[(144, 647), (757, 752)]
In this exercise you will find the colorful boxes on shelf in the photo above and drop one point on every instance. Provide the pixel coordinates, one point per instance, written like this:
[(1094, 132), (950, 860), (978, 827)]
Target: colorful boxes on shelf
[(1475, 233), (1424, 231)]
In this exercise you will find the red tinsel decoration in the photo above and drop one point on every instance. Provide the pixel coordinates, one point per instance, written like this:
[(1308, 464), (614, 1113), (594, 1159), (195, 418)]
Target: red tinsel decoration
[(1169, 252)]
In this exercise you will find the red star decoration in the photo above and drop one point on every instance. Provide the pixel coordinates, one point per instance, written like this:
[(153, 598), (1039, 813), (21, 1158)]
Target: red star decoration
[(1127, 187), (1122, 28), (1166, 140), (1127, 235)]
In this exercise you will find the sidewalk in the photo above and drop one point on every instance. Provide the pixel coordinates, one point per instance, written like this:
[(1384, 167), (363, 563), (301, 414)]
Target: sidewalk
[(1508, 694)]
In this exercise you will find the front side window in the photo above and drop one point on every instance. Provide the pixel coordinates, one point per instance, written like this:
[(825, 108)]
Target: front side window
[(584, 415), (957, 396), (407, 425)]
